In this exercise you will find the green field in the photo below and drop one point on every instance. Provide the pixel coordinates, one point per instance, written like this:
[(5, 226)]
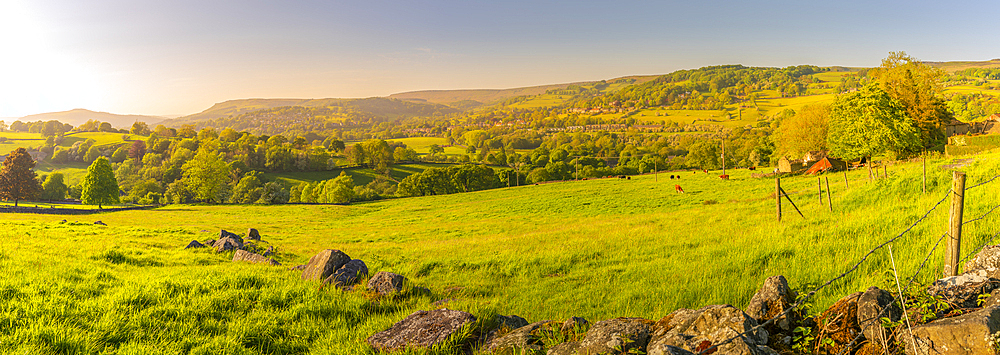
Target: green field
[(597, 249), (35, 140), (360, 176)]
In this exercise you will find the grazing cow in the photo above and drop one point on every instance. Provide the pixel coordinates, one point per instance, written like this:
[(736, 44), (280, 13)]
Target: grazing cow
[(752, 168), (628, 178), (677, 188), (671, 177), (724, 177)]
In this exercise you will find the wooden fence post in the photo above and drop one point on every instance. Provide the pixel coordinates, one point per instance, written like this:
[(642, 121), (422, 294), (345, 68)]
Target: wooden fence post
[(777, 195), (819, 181), (951, 255), (829, 199), (847, 184), (925, 171)]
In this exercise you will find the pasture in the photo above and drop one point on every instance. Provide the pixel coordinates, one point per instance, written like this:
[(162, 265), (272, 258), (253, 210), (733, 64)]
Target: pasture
[(597, 248)]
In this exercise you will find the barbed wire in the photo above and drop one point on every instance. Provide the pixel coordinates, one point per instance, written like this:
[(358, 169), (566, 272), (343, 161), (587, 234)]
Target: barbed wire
[(842, 275), (981, 217), (895, 298), (982, 183), (974, 252)]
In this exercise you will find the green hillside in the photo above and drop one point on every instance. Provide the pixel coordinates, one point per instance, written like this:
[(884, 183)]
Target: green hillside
[(597, 249)]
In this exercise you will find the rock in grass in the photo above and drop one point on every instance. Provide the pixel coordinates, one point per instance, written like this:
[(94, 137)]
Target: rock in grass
[(521, 340), (227, 244), (227, 234), (253, 234), (100, 223), (269, 251), (421, 329), (322, 265), (243, 255), (573, 324), (194, 244), (616, 336), (963, 290), (870, 306), (348, 274), (511, 322), (965, 334), (698, 330), (209, 243), (386, 282), (986, 259), (297, 268)]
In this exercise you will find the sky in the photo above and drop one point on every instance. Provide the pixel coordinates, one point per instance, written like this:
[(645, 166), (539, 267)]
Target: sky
[(180, 57)]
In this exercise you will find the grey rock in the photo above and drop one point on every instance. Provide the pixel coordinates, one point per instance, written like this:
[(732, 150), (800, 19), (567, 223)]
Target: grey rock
[(194, 244), (666, 350), (964, 290), (697, 330), (297, 268), (616, 336), (421, 329), (253, 234), (773, 298), (511, 322), (209, 243), (986, 259), (100, 223), (870, 306), (243, 255), (520, 340), (965, 334), (386, 282), (567, 348), (322, 265), (249, 246), (227, 244), (348, 274), (227, 234), (269, 251)]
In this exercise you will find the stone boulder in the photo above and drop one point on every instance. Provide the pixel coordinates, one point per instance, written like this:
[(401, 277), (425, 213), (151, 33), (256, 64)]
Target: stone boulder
[(521, 340), (253, 234), (963, 290), (965, 334), (227, 244), (986, 259), (194, 244), (698, 330), (269, 251), (616, 336), (870, 310), (227, 234), (297, 268), (421, 329), (209, 243), (100, 223), (348, 274), (511, 322), (567, 348), (322, 265), (243, 255), (386, 282), (773, 298)]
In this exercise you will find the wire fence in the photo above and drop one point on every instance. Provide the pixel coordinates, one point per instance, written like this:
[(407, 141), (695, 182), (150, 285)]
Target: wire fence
[(911, 281)]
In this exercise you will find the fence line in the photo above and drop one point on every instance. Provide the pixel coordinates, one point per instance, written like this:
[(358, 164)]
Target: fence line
[(896, 298)]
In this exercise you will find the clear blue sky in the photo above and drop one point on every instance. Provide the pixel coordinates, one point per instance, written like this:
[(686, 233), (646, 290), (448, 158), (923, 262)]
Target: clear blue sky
[(180, 57)]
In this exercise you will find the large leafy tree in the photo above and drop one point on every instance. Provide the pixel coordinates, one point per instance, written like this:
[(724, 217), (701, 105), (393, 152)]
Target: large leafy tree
[(54, 187), (17, 179), (804, 132), (100, 187), (207, 176), (919, 89), (869, 122)]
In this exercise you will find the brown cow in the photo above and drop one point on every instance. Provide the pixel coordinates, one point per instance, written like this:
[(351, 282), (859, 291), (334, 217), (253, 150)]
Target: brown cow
[(724, 177), (677, 188)]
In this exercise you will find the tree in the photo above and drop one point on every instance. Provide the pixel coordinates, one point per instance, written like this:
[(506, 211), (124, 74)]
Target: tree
[(140, 128), (100, 186), (92, 154), (804, 132), (869, 122), (137, 150), (249, 189), (54, 187), (919, 89), (106, 127), (206, 177), (17, 179), (339, 189)]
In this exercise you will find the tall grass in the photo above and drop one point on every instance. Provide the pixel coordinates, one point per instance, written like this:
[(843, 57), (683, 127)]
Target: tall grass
[(597, 249)]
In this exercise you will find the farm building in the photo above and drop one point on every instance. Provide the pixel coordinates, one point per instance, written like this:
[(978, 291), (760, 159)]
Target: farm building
[(812, 156), (956, 127), (787, 166), (991, 125), (827, 164)]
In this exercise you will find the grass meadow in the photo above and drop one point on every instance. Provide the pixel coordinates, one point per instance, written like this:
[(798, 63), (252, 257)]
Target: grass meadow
[(598, 249)]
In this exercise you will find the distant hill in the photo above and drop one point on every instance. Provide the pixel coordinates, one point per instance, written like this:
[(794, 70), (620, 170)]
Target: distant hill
[(462, 99), (389, 108), (952, 67), (79, 116)]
